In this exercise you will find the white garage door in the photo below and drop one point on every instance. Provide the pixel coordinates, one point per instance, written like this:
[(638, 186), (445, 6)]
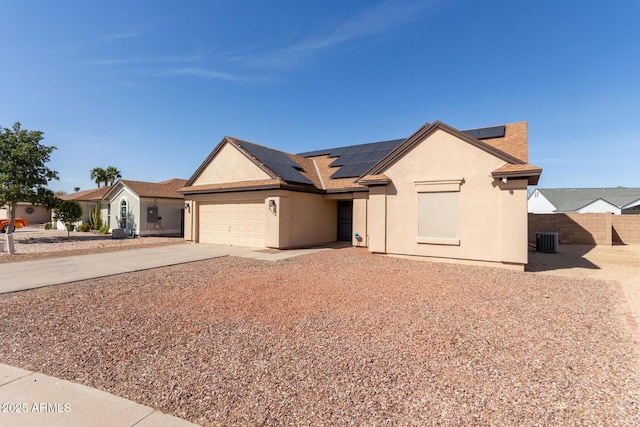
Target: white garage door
[(238, 223)]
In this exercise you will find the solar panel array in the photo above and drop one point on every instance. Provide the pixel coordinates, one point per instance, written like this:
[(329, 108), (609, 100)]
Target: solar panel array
[(277, 161), (355, 160), (486, 133)]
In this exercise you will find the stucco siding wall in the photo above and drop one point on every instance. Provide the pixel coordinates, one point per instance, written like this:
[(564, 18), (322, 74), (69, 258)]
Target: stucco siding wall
[(133, 210), (169, 211), (600, 206), (360, 204), (482, 207), (537, 203), (230, 165), (311, 219)]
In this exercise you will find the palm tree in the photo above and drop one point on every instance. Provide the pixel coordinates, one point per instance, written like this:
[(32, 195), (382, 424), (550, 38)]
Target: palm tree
[(112, 174), (98, 175)]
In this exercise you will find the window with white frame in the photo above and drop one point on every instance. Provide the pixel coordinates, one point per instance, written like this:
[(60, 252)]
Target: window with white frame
[(438, 212)]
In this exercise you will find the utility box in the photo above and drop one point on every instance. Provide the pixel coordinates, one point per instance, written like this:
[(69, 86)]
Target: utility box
[(152, 214), (547, 242), (117, 233)]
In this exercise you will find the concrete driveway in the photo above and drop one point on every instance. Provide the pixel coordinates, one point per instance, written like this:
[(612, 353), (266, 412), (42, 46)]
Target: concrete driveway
[(18, 276)]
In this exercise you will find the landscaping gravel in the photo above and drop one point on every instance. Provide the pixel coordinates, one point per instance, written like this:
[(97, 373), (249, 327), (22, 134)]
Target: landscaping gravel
[(32, 244), (340, 337)]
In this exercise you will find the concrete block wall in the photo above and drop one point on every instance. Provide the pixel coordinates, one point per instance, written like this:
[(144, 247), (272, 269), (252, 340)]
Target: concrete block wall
[(574, 228), (626, 229)]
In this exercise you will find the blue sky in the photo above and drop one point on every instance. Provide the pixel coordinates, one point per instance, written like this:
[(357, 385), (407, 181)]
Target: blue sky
[(152, 86)]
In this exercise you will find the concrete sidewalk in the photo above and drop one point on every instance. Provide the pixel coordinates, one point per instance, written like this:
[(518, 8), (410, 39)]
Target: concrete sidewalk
[(35, 400), (19, 276)]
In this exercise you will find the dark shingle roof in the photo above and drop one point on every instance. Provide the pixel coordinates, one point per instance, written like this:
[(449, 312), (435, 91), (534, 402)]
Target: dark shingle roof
[(572, 199)]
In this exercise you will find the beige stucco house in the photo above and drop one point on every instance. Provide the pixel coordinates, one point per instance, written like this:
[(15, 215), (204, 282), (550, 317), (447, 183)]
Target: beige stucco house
[(441, 193)]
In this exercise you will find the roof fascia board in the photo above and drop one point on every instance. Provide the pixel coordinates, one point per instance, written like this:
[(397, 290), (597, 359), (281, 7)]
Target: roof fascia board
[(116, 189), (594, 201), (632, 204)]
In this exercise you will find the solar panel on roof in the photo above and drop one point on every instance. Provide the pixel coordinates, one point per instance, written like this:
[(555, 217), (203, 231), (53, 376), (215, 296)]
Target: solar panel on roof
[(281, 164), (486, 133), (492, 132), (473, 132), (343, 160)]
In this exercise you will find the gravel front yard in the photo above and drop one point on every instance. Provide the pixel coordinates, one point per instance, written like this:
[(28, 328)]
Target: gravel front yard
[(334, 338), (33, 244)]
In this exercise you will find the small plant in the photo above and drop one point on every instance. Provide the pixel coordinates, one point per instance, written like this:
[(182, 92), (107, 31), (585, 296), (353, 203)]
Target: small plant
[(84, 227), (68, 212), (48, 226), (104, 229)]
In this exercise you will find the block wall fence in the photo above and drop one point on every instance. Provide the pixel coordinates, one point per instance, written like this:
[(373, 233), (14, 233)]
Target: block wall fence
[(587, 228)]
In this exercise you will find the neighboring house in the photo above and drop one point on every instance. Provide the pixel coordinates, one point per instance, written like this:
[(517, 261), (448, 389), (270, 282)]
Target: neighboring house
[(145, 208), (585, 200), (440, 193), (90, 200), (33, 214)]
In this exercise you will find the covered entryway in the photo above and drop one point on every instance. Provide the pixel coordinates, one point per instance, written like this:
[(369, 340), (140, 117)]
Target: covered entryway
[(345, 220), (234, 223)]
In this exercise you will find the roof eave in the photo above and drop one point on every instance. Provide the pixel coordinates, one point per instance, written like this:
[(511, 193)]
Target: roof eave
[(532, 176)]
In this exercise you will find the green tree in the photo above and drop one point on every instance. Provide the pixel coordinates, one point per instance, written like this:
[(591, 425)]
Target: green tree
[(24, 173), (99, 175), (68, 212), (112, 174)]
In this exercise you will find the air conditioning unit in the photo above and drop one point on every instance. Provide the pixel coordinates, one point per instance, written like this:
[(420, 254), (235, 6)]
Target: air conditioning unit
[(547, 242)]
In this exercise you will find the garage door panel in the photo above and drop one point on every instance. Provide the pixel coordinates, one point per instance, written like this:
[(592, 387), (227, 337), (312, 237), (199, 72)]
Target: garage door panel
[(238, 223)]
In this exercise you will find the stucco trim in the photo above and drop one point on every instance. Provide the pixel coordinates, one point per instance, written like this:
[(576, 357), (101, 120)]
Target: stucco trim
[(438, 241), (444, 185)]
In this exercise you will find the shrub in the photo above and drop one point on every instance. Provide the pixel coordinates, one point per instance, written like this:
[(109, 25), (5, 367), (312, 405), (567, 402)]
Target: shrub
[(70, 227), (84, 227), (48, 226), (104, 229)]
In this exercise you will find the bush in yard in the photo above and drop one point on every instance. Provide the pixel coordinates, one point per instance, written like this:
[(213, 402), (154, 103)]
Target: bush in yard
[(68, 212), (84, 227), (48, 226), (104, 229)]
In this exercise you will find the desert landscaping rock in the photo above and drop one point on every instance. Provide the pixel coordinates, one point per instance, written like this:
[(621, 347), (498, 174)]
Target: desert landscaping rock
[(33, 244), (340, 337)]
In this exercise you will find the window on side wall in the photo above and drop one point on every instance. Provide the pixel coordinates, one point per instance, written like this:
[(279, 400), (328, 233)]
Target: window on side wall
[(438, 212)]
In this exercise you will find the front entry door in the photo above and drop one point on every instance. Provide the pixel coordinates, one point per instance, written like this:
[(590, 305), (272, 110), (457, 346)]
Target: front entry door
[(345, 220)]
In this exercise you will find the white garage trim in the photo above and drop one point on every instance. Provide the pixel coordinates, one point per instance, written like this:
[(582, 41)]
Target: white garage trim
[(238, 223)]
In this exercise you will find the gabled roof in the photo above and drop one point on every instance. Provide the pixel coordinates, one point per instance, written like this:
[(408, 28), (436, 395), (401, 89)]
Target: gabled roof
[(162, 190), (93, 195), (573, 199), (515, 167), (347, 168)]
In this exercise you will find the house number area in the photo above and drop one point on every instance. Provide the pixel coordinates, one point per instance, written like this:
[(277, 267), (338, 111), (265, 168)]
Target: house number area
[(37, 407)]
